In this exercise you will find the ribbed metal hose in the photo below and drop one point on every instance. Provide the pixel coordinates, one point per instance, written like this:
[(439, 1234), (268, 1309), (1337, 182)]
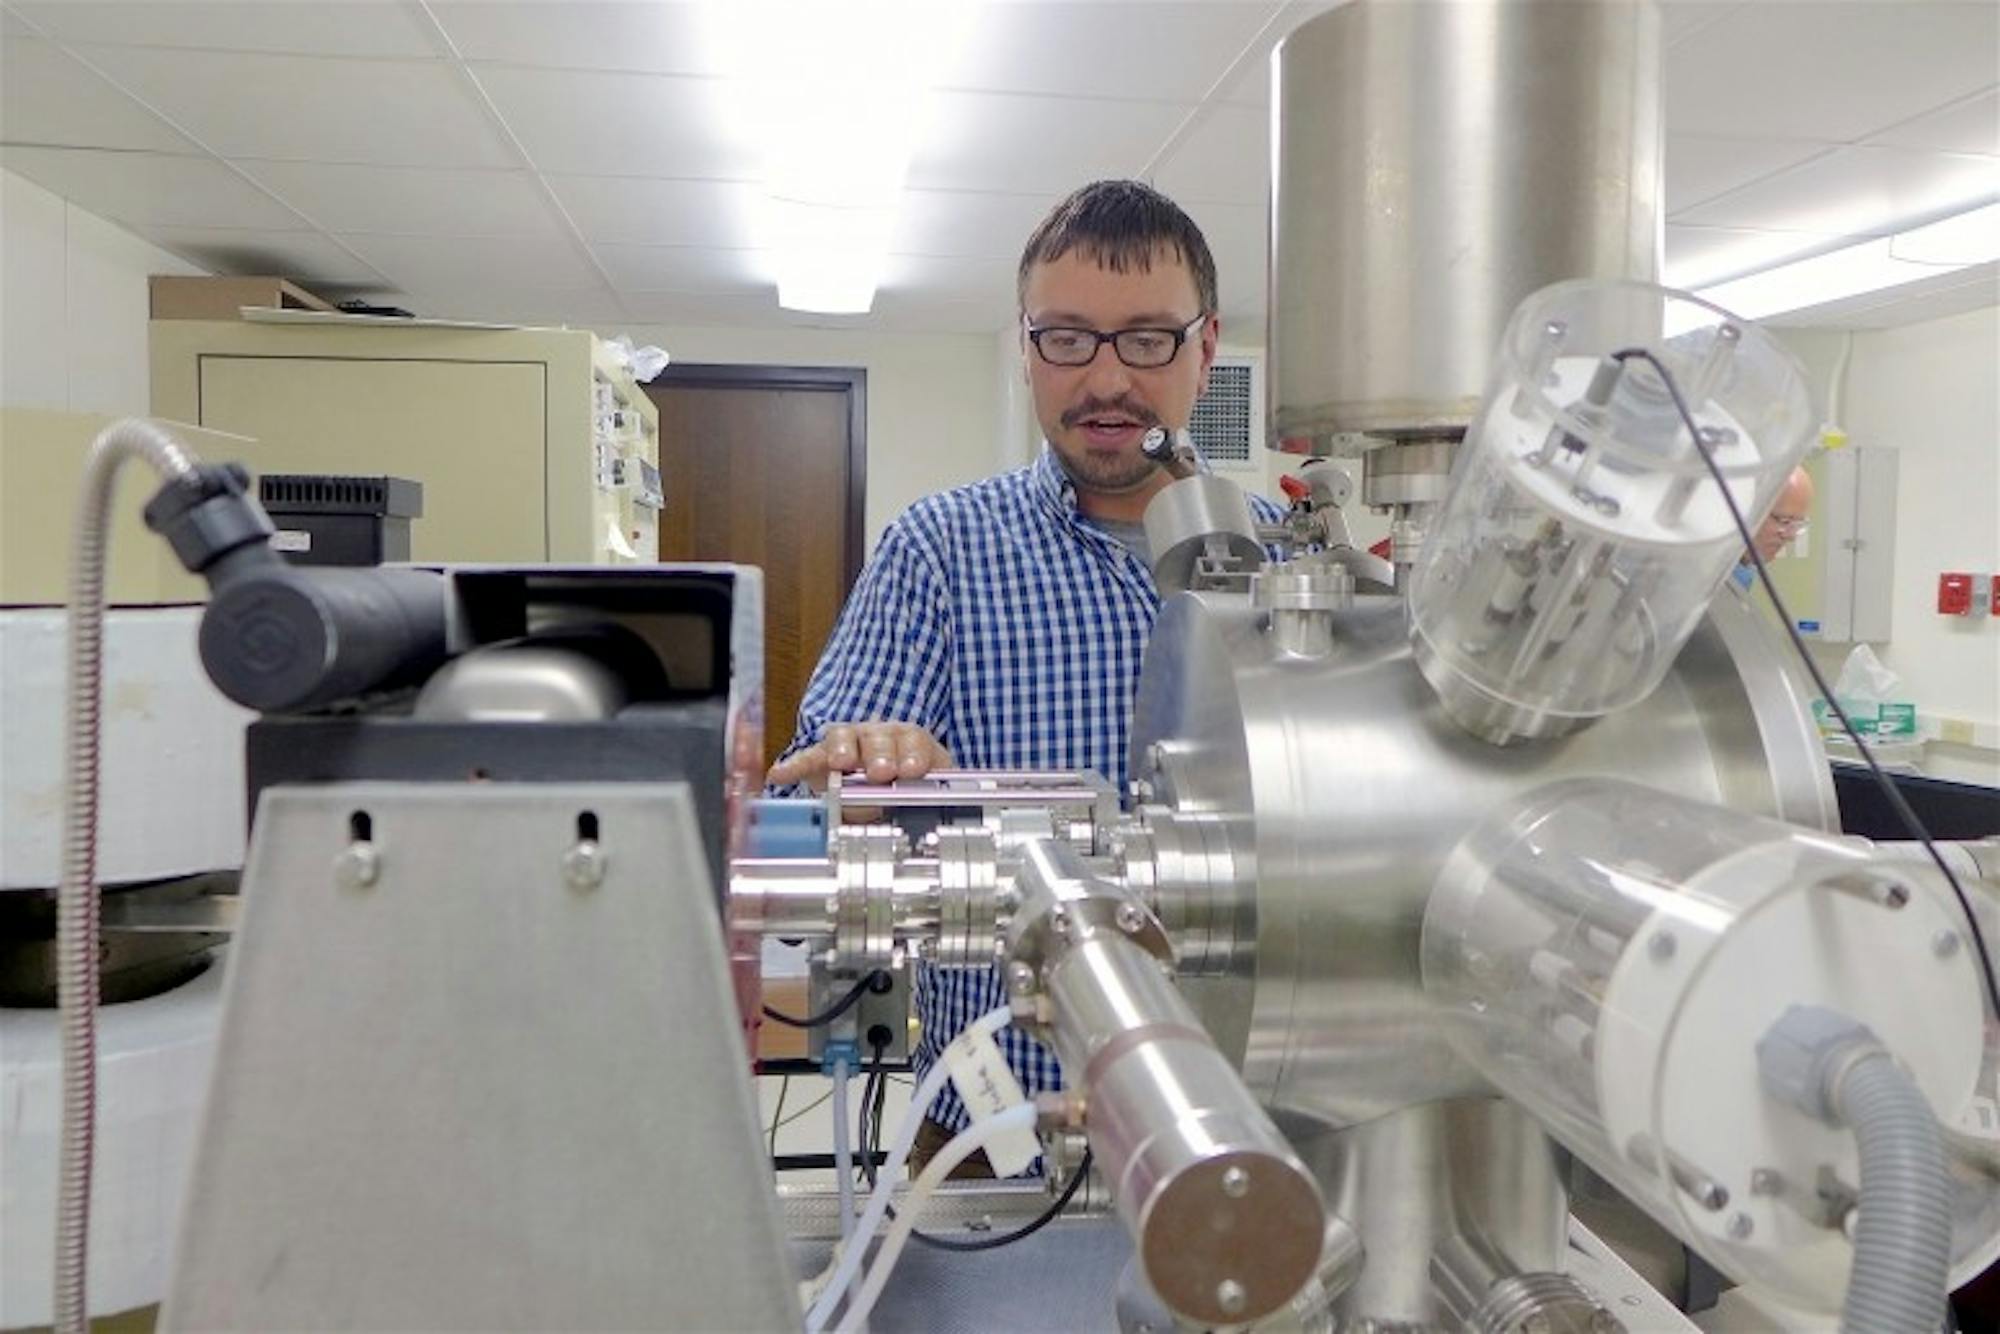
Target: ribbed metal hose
[(1902, 1242), (77, 903)]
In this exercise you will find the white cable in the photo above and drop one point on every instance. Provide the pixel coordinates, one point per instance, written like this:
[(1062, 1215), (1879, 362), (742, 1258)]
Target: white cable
[(962, 1146), (843, 1152), (885, 1183)]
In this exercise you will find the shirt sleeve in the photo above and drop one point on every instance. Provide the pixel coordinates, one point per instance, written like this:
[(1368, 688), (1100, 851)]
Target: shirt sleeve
[(890, 656)]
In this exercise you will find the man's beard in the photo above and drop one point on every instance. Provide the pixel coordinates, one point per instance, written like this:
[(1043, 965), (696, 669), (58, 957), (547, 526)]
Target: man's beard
[(1106, 474)]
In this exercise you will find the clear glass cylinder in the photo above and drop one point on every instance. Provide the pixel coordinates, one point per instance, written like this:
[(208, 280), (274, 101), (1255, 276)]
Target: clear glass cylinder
[(1609, 956), (1583, 534)]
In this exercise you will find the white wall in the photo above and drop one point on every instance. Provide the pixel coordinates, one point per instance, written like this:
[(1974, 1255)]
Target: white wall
[(932, 398), (73, 305), (1932, 391)]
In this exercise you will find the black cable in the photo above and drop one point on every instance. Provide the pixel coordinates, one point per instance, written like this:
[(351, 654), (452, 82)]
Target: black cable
[(1890, 791), (1028, 1229), (853, 998), (871, 1141)]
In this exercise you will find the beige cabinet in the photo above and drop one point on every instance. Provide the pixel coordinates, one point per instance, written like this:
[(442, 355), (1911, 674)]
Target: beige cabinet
[(531, 444)]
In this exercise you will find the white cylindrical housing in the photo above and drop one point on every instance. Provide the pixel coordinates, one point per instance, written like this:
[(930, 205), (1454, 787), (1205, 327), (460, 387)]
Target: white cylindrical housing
[(1610, 955), (1583, 534)]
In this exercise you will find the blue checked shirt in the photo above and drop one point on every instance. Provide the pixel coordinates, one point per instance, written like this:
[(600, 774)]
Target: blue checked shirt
[(1010, 627)]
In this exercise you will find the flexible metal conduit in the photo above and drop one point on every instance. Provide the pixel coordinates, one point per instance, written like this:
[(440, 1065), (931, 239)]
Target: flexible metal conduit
[(1902, 1238), (77, 901)]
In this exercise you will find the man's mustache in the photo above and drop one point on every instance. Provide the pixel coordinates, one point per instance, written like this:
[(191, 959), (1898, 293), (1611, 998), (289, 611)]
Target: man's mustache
[(1105, 407)]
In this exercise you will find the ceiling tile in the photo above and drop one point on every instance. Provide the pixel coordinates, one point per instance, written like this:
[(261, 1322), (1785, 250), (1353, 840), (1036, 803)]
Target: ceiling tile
[(471, 263), (1971, 126), (48, 98), (1251, 85), (305, 108), (643, 211), (1927, 299), (924, 312), (349, 28), (1702, 256), (1225, 159), (307, 258), (618, 124), (581, 34), (1031, 145), (151, 188), (1165, 52), (1700, 166), (638, 268), (412, 201), (1240, 243), (949, 278), (733, 310), (968, 223), (1828, 69), (1856, 191)]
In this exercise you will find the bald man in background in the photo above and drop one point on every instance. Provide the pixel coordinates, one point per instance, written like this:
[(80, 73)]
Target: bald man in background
[(1786, 521)]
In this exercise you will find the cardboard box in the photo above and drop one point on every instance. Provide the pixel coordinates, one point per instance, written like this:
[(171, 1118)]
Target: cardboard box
[(186, 298)]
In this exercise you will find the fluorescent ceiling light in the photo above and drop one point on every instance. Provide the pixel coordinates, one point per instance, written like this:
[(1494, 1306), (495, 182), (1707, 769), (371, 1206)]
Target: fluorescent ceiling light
[(831, 98), (1871, 266)]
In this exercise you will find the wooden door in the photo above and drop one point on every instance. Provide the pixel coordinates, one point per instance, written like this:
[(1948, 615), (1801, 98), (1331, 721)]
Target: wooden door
[(762, 466)]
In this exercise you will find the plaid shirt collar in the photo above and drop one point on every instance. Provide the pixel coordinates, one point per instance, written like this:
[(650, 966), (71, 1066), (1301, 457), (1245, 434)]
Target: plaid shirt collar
[(1053, 486)]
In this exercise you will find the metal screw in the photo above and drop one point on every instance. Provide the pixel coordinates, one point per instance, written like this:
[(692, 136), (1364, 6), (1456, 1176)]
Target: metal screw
[(1710, 1195), (1229, 1295), (1059, 922), (1235, 1182), (1741, 1226), (1662, 946), (1894, 895), (1021, 976), (1765, 1181), (1131, 918), (583, 865), (358, 865), (1945, 943), (1536, 1323)]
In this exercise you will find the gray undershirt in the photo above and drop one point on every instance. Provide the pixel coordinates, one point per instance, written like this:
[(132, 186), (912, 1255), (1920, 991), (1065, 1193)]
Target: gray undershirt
[(1131, 536)]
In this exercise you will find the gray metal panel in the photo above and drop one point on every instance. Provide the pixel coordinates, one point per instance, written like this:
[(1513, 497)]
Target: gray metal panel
[(473, 1096), (1875, 542), (1840, 474)]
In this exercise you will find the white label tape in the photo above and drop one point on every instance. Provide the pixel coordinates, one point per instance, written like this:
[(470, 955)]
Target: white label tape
[(291, 539), (988, 1087)]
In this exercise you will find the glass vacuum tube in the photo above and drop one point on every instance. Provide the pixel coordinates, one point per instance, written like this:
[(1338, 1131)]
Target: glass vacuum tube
[(1583, 533)]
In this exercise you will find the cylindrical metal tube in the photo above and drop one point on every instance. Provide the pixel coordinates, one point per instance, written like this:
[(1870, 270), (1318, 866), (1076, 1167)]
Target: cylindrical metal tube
[(1228, 1221), (782, 896), (1433, 165), (1192, 518)]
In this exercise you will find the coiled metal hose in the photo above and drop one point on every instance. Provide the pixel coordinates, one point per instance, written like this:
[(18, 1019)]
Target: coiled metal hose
[(1902, 1237), (77, 902)]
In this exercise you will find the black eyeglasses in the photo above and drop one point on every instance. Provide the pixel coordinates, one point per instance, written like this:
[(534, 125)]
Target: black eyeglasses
[(1141, 349)]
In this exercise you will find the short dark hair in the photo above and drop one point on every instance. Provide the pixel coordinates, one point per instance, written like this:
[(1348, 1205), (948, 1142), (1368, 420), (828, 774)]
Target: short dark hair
[(1120, 224)]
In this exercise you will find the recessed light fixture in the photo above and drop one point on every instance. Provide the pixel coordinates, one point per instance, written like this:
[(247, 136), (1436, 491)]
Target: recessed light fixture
[(1952, 243), (832, 99)]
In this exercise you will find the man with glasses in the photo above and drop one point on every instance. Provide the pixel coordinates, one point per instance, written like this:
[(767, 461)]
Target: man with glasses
[(1784, 523), (1001, 625)]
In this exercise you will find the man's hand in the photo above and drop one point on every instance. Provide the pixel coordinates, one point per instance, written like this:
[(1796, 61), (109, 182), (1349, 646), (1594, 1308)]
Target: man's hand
[(882, 752)]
